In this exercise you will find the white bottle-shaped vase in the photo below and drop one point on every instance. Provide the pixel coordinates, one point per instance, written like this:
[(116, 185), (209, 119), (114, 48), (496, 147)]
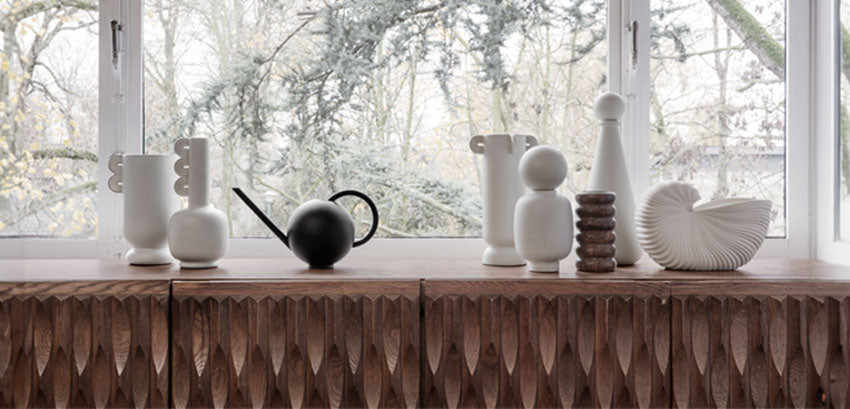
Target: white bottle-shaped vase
[(609, 172), (197, 235), (501, 188), (543, 219)]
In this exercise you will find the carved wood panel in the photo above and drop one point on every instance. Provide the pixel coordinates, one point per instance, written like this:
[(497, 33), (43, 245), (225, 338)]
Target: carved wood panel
[(759, 347), (296, 344), (546, 344), (84, 344)]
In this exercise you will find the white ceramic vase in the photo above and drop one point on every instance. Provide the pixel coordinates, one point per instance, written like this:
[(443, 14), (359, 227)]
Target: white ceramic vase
[(501, 189), (543, 219), (608, 172), (145, 182), (197, 235), (719, 235)]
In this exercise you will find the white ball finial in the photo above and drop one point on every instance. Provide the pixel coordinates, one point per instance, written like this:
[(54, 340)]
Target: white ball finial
[(609, 106), (543, 168)]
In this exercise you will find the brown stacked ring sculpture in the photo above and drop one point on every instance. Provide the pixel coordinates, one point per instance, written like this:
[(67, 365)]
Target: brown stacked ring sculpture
[(596, 231)]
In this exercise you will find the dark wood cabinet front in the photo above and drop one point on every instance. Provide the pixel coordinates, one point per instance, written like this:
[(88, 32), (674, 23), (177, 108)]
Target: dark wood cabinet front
[(546, 343), (296, 344), (84, 344), (777, 345), (416, 336)]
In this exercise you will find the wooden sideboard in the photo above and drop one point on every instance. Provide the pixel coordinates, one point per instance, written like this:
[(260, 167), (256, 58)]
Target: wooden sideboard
[(84, 344), (266, 333)]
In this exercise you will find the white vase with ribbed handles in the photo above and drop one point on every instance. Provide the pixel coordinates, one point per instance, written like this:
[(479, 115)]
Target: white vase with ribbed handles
[(197, 235), (608, 172)]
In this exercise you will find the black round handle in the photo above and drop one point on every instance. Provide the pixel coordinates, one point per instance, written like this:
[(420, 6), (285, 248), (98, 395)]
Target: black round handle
[(372, 206)]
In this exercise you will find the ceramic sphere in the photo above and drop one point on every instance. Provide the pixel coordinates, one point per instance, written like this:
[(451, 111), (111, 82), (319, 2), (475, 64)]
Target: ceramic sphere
[(543, 168), (609, 106)]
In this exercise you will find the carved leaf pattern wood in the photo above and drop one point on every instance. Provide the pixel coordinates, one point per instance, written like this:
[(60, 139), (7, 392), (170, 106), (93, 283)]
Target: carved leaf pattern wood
[(61, 380), (5, 339), (502, 348), (42, 337), (541, 350), (339, 346), (66, 344), (101, 371), (82, 338), (120, 335), (763, 351)]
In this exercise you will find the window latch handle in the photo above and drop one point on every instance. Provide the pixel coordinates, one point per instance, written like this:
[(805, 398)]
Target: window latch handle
[(116, 31), (634, 29)]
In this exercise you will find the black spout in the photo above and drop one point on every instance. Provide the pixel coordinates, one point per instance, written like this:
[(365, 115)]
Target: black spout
[(262, 216)]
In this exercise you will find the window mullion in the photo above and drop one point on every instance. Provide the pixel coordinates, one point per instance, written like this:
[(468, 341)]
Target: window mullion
[(826, 125), (119, 109), (628, 75), (799, 173), (617, 20)]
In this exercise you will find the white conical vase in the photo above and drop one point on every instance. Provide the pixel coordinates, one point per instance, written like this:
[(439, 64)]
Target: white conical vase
[(608, 172), (197, 235)]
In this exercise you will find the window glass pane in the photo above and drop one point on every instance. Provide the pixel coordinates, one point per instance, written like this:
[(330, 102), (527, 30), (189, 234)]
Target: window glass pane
[(303, 98), (718, 98), (48, 119), (844, 105)]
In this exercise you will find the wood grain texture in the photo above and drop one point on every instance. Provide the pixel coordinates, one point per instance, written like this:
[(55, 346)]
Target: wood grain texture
[(356, 267), (760, 350), (295, 344), (264, 333), (84, 344), (544, 344)]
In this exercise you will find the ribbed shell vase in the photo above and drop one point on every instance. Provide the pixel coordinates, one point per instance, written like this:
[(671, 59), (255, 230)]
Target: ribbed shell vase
[(719, 235)]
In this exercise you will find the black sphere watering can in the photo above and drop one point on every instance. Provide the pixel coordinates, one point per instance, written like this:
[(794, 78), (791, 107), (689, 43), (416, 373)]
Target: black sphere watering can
[(319, 232)]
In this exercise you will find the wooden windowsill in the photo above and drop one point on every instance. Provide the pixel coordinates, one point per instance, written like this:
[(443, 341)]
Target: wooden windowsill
[(757, 271)]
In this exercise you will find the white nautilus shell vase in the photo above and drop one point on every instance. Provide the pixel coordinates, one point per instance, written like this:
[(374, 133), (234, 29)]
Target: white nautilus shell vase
[(719, 235)]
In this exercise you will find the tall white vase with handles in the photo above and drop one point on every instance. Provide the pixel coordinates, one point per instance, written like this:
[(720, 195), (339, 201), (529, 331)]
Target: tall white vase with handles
[(145, 182), (609, 172), (197, 235), (501, 188)]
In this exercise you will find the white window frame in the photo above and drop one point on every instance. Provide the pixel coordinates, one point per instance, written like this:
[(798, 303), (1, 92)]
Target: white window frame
[(826, 180), (633, 83), (120, 130)]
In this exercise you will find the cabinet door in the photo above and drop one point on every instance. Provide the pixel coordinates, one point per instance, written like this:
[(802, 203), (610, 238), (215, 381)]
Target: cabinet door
[(84, 344), (766, 345), (546, 343), (295, 344)]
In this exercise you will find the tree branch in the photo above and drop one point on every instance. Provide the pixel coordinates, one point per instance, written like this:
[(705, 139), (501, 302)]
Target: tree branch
[(768, 51), (34, 207), (65, 153)]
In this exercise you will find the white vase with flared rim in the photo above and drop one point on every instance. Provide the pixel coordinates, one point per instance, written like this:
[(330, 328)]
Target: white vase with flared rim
[(501, 189), (145, 182)]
